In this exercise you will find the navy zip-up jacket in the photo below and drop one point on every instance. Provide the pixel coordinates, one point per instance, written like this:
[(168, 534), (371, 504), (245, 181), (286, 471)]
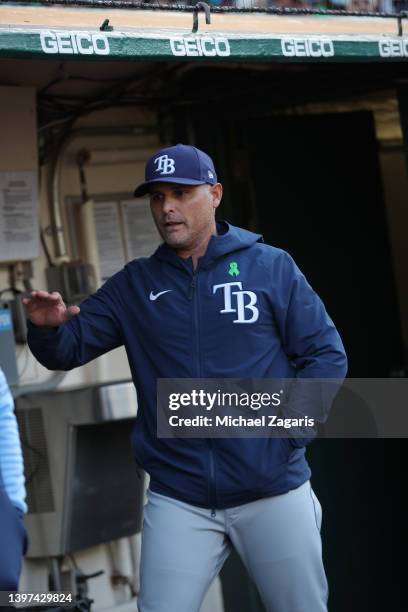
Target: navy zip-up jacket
[(264, 322)]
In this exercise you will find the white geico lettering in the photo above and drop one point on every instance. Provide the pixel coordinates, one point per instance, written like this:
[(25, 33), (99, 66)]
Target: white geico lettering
[(307, 47), (74, 43), (241, 306), (193, 46), (391, 47)]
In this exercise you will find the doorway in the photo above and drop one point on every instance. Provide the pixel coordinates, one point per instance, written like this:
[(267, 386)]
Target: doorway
[(311, 185)]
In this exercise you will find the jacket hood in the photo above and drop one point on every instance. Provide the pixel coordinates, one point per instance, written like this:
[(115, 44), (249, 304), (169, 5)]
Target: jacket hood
[(229, 239)]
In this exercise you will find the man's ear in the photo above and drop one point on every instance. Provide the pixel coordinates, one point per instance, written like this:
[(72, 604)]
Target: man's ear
[(216, 192)]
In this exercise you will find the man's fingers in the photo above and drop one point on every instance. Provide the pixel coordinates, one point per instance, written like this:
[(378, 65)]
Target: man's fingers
[(28, 299), (49, 307), (53, 297), (71, 311), (42, 295)]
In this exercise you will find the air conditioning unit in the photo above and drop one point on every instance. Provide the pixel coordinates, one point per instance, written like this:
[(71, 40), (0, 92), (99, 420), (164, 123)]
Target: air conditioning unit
[(83, 486)]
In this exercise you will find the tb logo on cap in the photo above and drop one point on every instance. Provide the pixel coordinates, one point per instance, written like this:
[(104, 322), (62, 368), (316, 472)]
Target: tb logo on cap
[(165, 164)]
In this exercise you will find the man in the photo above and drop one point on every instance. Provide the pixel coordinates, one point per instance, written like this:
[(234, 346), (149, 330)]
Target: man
[(213, 301), (13, 536)]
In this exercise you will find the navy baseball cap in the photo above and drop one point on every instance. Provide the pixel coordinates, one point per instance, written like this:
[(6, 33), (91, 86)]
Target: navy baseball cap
[(181, 164)]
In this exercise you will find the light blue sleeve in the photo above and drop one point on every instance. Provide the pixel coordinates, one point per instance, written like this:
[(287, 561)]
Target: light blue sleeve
[(11, 458)]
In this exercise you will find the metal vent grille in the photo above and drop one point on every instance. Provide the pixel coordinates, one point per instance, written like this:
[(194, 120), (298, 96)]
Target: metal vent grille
[(40, 496)]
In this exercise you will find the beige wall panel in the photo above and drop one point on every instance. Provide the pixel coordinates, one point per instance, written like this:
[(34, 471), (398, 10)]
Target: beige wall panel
[(18, 149)]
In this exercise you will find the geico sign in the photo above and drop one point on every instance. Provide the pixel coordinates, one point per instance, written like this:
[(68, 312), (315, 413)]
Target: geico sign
[(393, 47), (204, 45), (307, 47), (73, 43)]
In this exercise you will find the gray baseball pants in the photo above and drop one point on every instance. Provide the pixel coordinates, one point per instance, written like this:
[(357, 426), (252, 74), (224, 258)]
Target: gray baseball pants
[(277, 538)]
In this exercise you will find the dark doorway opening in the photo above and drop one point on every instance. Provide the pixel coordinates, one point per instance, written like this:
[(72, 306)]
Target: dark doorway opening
[(311, 185)]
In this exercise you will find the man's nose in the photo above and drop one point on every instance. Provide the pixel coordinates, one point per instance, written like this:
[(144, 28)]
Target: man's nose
[(169, 204)]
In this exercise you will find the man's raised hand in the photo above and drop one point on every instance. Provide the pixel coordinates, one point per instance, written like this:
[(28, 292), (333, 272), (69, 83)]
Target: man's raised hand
[(48, 309)]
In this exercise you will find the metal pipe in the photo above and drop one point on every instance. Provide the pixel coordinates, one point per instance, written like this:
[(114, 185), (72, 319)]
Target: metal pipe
[(104, 157), (55, 573), (206, 9)]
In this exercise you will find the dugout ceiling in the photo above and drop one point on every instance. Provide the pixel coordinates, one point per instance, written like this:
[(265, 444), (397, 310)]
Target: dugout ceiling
[(252, 62)]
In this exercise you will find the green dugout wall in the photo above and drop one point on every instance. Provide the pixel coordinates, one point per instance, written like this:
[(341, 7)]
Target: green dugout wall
[(66, 31), (96, 45)]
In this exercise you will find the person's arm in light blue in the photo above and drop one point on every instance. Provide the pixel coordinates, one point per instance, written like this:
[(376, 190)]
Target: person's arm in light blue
[(11, 459)]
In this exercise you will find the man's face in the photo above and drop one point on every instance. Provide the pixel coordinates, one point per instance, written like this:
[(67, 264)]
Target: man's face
[(184, 214)]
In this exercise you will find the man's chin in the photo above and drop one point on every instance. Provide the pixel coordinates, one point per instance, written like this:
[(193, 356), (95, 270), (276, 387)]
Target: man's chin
[(175, 242)]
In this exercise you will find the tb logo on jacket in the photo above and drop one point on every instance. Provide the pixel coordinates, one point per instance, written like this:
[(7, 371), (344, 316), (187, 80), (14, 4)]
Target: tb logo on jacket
[(243, 306)]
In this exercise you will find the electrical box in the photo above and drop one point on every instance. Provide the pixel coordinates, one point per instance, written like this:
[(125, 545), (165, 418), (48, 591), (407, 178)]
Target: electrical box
[(19, 317), (73, 280)]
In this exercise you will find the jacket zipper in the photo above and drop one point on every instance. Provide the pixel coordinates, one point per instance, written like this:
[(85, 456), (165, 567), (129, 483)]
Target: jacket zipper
[(193, 285), (191, 294)]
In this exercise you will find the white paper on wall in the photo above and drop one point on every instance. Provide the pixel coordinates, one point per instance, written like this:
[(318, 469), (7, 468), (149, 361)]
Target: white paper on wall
[(109, 238), (141, 235), (19, 225)]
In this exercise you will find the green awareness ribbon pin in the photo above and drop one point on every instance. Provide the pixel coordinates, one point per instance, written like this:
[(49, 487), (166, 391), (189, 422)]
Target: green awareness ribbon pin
[(233, 269)]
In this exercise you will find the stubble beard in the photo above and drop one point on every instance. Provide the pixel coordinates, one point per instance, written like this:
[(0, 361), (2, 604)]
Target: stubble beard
[(176, 241)]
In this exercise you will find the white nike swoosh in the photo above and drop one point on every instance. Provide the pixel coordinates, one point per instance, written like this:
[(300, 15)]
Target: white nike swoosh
[(153, 297)]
